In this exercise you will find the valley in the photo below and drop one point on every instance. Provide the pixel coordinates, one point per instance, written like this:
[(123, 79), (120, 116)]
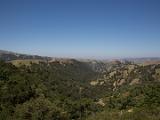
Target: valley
[(67, 89)]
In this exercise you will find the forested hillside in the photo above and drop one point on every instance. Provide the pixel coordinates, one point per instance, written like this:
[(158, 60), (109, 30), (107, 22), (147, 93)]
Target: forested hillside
[(73, 90)]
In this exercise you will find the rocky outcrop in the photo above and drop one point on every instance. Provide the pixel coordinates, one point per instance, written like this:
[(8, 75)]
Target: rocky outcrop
[(135, 81)]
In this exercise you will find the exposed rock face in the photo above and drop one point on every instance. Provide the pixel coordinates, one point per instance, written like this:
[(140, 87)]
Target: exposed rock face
[(115, 84), (125, 74), (135, 81), (101, 102), (157, 71), (97, 82), (130, 110), (130, 68), (102, 82), (112, 73), (121, 82), (157, 74), (94, 83)]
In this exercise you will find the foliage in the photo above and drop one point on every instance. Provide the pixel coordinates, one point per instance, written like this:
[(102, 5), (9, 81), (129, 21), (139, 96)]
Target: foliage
[(62, 91)]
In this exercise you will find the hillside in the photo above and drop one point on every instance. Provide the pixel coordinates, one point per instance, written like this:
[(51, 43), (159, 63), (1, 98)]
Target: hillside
[(8, 56), (68, 89)]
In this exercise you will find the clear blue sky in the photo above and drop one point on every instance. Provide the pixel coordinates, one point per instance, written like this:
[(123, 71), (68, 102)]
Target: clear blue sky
[(81, 28)]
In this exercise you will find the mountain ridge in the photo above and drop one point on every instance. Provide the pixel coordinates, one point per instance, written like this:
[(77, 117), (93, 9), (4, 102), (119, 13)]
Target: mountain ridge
[(10, 55)]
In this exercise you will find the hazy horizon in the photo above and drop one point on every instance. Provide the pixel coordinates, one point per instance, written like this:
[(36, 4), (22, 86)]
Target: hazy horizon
[(101, 29)]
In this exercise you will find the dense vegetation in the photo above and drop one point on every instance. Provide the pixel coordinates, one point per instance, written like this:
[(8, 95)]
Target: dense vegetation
[(65, 91)]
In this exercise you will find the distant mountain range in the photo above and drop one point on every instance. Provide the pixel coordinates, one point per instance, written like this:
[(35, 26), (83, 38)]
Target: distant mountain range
[(9, 56), (143, 59)]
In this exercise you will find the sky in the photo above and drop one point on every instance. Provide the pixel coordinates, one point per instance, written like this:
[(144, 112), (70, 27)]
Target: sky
[(81, 28)]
